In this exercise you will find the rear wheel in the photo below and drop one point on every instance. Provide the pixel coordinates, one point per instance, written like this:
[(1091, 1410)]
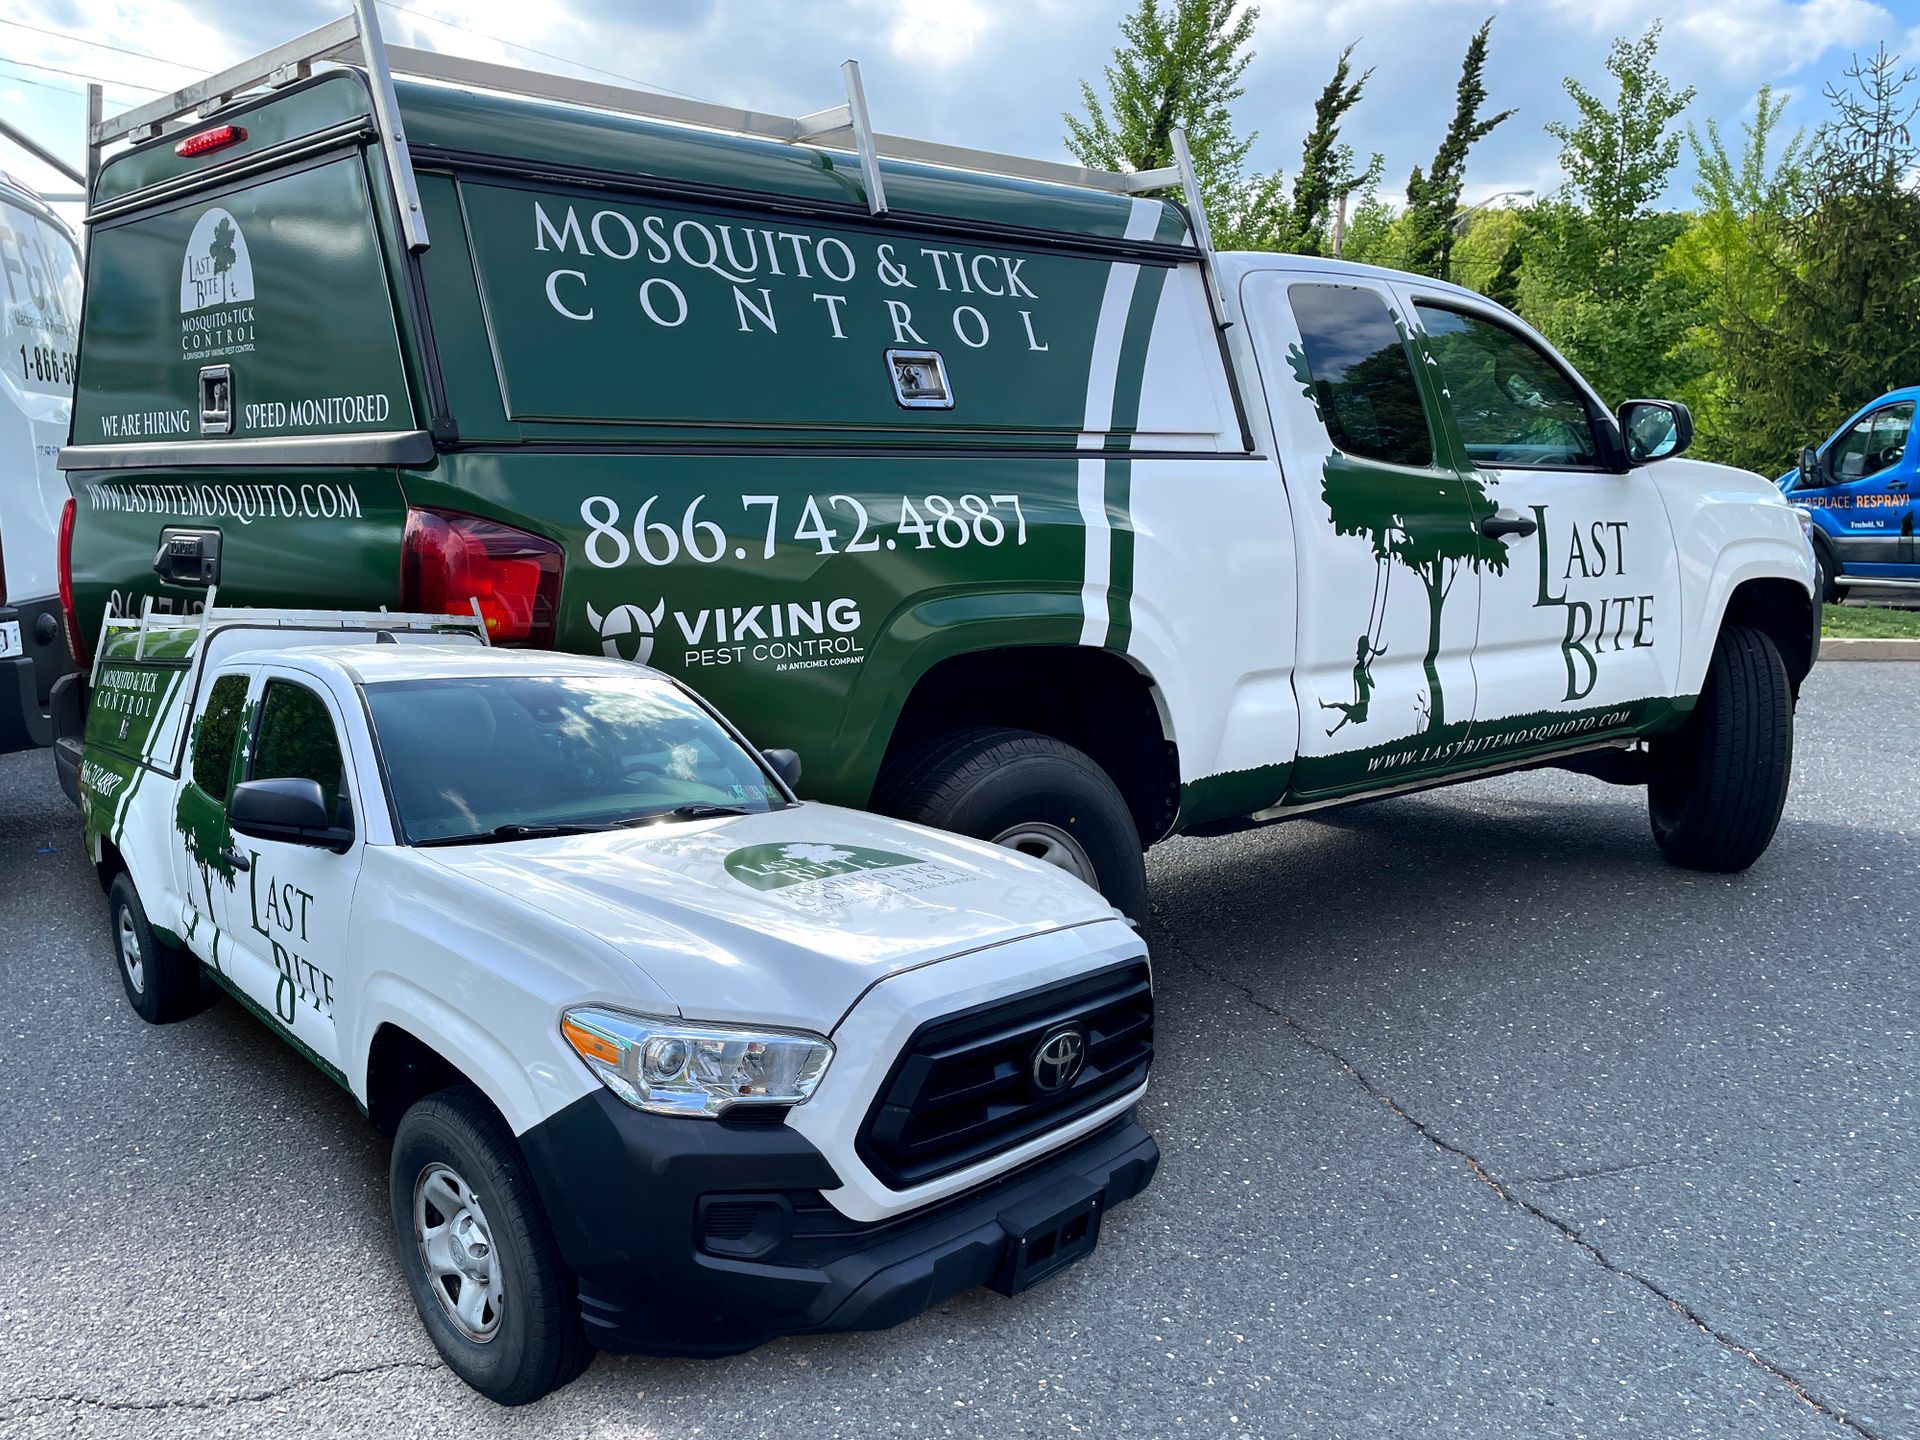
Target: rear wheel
[(1029, 792), (1720, 781), (162, 981), (478, 1253)]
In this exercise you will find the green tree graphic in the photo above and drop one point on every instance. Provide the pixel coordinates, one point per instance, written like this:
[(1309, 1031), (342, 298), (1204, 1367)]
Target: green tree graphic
[(1427, 520), (221, 251), (198, 816)]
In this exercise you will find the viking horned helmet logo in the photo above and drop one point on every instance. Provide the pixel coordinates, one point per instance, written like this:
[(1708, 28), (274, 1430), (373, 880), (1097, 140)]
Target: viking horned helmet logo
[(627, 620)]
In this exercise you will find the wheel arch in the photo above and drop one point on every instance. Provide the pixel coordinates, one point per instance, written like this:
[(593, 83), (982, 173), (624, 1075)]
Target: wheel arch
[(1099, 701), (1766, 585), (414, 1039)]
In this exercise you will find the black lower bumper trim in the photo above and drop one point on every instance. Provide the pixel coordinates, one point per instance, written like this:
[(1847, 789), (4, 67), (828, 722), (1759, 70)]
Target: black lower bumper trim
[(624, 1192)]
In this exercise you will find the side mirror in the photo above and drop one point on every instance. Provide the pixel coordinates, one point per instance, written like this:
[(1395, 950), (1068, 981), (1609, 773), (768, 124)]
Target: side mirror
[(1809, 468), (289, 809), (1655, 429), (785, 764)]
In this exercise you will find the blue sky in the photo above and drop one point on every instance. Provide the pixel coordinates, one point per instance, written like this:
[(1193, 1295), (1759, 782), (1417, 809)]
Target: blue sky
[(997, 73)]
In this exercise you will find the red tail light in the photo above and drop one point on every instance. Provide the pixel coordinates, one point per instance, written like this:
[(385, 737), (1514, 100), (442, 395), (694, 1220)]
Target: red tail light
[(449, 561), (217, 138), (67, 612)]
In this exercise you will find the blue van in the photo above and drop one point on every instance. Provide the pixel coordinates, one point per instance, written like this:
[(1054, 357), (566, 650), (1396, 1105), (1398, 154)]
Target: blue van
[(1859, 488)]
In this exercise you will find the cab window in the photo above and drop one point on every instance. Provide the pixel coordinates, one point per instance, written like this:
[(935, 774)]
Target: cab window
[(214, 733), (1876, 442), (296, 739), (1513, 406), (1361, 375)]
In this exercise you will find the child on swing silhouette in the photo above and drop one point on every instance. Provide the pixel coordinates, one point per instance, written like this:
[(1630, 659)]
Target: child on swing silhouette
[(1365, 652)]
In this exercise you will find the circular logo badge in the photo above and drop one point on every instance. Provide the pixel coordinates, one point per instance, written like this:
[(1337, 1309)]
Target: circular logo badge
[(1057, 1059)]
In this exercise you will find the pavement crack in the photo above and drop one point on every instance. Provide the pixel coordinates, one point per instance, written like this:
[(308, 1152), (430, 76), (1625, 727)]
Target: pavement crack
[(1480, 1172), (217, 1402), (1595, 1173)]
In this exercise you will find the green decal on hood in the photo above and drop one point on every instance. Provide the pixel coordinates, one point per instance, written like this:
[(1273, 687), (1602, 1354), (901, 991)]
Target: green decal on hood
[(774, 867)]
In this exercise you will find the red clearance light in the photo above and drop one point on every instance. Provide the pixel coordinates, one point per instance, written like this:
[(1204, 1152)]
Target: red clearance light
[(217, 138), (448, 561), (67, 613)]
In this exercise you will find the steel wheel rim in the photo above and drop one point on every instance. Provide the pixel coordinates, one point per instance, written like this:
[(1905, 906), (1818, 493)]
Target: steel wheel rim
[(457, 1252), (131, 959), (1041, 841)]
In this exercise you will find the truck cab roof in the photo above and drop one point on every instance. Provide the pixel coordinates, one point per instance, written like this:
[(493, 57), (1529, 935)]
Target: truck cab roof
[(455, 658)]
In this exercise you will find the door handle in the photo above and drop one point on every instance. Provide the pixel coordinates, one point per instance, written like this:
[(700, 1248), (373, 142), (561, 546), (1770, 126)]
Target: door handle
[(1508, 522), (236, 859)]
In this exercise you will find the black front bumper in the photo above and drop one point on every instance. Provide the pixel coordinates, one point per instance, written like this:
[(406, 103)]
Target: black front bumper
[(695, 1237)]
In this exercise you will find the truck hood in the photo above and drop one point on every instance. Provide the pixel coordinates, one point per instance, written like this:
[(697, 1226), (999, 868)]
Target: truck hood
[(782, 919)]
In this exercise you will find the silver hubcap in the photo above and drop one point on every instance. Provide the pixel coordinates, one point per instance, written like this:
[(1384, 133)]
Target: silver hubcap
[(456, 1246), (130, 957), (1051, 844)]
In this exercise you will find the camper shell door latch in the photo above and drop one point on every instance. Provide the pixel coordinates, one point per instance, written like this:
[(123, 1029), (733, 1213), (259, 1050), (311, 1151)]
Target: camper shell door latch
[(188, 557), (216, 399)]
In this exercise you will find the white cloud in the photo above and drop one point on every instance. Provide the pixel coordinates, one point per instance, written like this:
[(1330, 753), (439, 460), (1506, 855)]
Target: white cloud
[(941, 34), (1754, 37)]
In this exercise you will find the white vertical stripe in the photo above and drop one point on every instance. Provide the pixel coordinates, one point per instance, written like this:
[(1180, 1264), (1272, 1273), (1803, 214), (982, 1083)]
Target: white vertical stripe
[(1102, 376)]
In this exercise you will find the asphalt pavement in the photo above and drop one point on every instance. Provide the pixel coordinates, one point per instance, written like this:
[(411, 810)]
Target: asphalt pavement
[(1478, 1119)]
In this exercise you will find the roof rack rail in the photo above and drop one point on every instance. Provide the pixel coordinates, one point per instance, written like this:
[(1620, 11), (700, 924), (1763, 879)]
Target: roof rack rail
[(355, 39)]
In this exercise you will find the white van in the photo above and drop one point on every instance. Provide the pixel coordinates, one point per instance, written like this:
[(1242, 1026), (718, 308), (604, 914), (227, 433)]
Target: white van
[(40, 327)]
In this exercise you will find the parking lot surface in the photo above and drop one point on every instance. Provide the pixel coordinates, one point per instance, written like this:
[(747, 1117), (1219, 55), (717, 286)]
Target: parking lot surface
[(1478, 1119)]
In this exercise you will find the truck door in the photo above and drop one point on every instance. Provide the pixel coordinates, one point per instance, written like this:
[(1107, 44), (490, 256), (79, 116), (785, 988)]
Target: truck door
[(286, 915), (1579, 617), (1864, 493), (1388, 560)]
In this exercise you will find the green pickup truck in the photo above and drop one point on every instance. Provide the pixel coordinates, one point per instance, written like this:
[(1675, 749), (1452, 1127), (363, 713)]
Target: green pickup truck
[(984, 483)]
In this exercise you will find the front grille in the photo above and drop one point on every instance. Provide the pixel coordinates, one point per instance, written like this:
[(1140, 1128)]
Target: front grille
[(963, 1090)]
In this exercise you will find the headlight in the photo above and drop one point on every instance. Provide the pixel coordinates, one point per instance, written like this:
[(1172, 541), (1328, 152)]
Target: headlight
[(675, 1069)]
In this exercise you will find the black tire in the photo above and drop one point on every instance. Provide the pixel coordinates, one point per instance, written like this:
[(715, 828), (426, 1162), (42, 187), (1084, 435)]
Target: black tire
[(1720, 782), (537, 1343), (990, 782), (1828, 569), (163, 983)]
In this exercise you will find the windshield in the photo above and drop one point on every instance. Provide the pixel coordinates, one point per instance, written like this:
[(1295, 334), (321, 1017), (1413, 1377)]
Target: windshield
[(507, 758)]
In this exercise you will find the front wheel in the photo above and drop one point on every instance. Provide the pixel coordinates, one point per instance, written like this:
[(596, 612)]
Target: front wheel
[(1720, 781), (1029, 792), (1827, 573), (478, 1254)]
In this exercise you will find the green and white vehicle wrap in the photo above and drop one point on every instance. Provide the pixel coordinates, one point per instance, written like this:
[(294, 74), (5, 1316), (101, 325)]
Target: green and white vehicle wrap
[(1011, 507), (640, 1023)]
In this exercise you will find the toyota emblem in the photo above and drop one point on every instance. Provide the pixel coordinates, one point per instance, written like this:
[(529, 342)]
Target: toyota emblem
[(1057, 1059)]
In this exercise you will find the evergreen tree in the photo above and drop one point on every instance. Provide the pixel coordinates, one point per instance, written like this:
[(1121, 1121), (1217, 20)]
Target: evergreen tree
[(1180, 65), (1433, 195), (1847, 325), (1327, 176)]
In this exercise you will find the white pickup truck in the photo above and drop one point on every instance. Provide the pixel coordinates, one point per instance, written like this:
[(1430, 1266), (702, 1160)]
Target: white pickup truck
[(673, 1062)]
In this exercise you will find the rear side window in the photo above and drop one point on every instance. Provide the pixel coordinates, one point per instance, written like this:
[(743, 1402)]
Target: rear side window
[(214, 733), (296, 739), (1362, 379)]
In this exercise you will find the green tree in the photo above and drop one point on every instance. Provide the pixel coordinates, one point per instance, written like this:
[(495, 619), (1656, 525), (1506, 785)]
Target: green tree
[(221, 251), (1262, 214), (1735, 256), (1179, 66), (1327, 174), (1433, 195), (1847, 324), (1597, 285)]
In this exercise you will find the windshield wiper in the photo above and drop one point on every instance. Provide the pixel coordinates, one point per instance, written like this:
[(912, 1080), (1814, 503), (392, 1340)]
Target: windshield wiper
[(698, 810), (535, 831)]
